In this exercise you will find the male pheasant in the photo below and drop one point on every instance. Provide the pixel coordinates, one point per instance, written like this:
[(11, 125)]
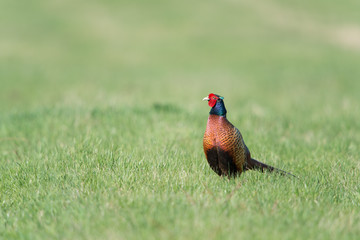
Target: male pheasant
[(224, 146)]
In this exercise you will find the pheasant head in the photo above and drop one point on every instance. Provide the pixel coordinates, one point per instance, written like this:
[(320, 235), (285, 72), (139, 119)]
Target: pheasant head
[(216, 103)]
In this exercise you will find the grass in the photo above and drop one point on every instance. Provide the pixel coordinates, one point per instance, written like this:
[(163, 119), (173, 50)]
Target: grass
[(101, 119)]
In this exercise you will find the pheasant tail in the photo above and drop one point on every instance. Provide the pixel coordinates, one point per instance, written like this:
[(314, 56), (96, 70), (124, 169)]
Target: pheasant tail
[(253, 164)]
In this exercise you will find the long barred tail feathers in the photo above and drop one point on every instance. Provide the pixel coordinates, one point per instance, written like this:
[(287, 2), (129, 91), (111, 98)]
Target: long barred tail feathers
[(254, 164)]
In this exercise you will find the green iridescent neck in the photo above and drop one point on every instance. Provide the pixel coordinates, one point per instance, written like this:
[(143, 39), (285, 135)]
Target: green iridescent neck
[(219, 109)]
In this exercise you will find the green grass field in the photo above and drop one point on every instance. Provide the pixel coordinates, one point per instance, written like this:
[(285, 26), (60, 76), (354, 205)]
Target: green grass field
[(101, 118)]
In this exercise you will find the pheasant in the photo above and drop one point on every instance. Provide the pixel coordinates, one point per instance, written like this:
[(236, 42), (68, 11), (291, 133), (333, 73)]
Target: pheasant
[(224, 147)]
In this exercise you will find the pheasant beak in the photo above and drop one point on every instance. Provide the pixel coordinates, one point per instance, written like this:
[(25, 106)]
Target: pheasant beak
[(206, 99)]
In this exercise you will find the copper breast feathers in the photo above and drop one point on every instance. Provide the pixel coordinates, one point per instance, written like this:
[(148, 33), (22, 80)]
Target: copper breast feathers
[(224, 146)]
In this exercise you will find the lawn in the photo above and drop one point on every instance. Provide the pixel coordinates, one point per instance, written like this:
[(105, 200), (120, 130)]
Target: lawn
[(101, 118)]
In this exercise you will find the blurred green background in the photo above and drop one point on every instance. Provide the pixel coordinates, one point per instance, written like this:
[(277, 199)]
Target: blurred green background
[(140, 52), (101, 118)]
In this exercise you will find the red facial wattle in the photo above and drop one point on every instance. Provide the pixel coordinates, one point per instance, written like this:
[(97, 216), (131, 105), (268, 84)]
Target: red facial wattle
[(212, 102), (212, 99)]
